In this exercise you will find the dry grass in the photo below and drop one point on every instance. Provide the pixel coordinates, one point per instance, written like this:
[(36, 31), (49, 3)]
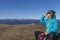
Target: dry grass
[(19, 32)]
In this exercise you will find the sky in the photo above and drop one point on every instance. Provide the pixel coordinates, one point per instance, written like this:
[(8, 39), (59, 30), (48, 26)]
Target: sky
[(27, 9)]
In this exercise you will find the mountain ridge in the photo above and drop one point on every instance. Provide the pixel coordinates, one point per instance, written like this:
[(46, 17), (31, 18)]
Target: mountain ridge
[(20, 21)]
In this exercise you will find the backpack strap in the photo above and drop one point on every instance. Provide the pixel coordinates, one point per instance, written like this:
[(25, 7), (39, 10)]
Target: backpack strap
[(41, 36)]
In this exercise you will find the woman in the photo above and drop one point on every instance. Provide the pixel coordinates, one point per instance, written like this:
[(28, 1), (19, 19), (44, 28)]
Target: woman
[(51, 25)]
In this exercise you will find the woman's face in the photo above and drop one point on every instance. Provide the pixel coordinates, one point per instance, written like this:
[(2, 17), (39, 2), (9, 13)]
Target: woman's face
[(49, 15)]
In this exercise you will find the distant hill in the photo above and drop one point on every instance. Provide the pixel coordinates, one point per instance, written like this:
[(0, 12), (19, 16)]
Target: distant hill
[(59, 22), (20, 21)]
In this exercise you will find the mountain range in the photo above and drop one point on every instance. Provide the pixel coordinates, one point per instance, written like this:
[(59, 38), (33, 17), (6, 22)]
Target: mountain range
[(20, 21)]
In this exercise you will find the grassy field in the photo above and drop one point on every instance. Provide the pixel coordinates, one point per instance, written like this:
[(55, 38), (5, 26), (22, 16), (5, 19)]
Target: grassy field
[(19, 32)]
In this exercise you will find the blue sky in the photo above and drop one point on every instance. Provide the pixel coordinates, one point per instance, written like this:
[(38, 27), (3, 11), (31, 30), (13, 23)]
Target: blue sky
[(27, 9)]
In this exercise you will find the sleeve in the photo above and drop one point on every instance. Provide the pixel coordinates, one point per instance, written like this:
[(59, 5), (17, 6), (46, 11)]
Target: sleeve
[(55, 26), (42, 19)]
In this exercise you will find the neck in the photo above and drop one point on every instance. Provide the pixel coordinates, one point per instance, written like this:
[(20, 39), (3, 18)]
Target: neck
[(49, 17)]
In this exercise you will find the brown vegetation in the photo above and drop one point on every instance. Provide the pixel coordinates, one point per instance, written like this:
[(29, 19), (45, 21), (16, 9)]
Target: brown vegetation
[(19, 32)]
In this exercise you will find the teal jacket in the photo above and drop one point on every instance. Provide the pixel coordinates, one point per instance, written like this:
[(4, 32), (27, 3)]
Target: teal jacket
[(51, 24)]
